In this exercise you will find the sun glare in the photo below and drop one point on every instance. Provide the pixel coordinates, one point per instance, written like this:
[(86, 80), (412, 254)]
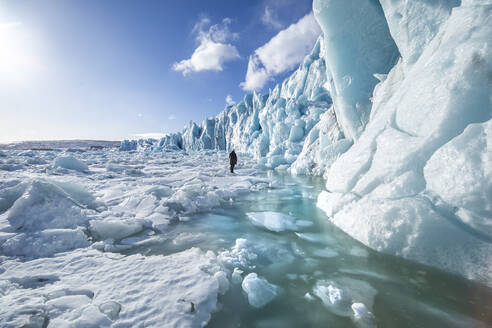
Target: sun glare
[(18, 60)]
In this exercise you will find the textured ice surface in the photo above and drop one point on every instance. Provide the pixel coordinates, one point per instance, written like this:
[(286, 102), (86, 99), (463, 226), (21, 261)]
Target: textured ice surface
[(118, 291), (358, 45), (44, 243), (58, 229), (413, 23), (460, 172), (416, 182), (348, 297), (260, 292), (71, 163)]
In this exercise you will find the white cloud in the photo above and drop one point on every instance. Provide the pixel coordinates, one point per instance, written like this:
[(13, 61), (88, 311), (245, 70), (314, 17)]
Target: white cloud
[(171, 117), (213, 49), (270, 18), (282, 53), (229, 101)]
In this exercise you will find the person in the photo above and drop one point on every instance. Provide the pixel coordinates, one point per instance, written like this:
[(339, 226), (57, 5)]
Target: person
[(232, 160)]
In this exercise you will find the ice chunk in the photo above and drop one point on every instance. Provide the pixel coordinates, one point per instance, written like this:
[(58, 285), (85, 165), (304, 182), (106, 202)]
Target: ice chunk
[(127, 145), (45, 206), (334, 294), (221, 277), (69, 302), (71, 163), (339, 295), (241, 254), (309, 297), (115, 228), (260, 292), (273, 221), (44, 243)]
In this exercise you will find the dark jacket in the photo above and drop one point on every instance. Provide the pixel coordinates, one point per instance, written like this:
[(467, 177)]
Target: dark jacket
[(233, 158)]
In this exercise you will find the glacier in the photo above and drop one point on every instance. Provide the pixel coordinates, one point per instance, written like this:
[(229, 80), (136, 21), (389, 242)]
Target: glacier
[(392, 107)]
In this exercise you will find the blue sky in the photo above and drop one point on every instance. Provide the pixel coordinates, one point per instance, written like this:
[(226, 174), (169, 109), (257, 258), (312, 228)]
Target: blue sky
[(109, 69)]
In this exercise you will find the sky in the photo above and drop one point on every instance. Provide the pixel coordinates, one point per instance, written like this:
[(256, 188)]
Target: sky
[(114, 69)]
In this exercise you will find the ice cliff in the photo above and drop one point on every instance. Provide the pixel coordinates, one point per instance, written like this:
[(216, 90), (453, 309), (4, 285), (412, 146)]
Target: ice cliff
[(418, 181), (393, 107)]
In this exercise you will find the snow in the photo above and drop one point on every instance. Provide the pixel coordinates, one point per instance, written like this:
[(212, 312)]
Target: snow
[(70, 163), (44, 243), (112, 295), (260, 292), (460, 172), (61, 231)]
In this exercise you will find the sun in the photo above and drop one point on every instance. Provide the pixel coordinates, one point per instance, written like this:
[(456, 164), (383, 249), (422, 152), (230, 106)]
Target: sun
[(18, 59)]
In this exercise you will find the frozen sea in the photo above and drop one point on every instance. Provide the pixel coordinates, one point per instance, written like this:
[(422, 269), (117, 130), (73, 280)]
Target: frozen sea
[(105, 238)]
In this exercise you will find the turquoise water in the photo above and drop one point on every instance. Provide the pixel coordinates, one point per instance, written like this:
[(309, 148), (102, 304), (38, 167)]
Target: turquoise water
[(402, 293)]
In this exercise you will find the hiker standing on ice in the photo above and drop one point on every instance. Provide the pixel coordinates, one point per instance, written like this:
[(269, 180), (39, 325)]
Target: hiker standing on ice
[(232, 160)]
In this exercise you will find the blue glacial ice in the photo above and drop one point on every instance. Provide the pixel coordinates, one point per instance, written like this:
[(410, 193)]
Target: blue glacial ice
[(260, 292), (394, 98)]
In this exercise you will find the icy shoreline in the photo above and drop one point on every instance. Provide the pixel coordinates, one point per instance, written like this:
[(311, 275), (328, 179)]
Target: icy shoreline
[(63, 214), (95, 247), (393, 108)]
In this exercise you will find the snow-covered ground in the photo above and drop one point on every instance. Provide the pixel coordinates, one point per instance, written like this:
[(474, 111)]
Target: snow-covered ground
[(109, 238), (64, 213)]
